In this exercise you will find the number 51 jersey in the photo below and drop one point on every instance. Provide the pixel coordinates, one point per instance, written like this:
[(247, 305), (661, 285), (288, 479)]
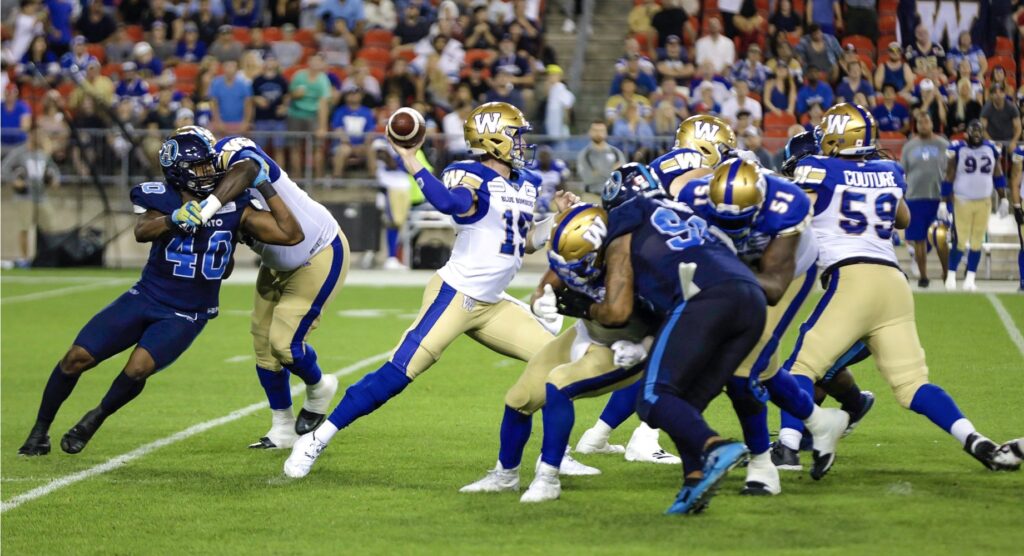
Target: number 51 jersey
[(490, 243), (184, 272), (855, 209)]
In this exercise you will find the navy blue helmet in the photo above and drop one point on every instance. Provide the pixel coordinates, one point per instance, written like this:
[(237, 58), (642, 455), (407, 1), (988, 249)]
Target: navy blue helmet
[(188, 160), (799, 147), (627, 182)]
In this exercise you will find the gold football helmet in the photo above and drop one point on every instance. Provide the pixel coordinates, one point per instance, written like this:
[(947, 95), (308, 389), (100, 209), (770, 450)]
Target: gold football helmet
[(938, 237), (735, 195), (574, 257), (496, 129), (848, 129), (708, 134)]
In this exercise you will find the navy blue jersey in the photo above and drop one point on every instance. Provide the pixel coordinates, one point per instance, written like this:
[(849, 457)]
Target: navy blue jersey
[(675, 163), (665, 234), (184, 272)]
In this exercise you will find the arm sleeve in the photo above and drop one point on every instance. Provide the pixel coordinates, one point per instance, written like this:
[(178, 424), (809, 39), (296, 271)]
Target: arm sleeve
[(455, 201)]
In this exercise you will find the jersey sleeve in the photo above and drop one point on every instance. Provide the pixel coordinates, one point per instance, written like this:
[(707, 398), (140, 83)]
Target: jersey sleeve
[(953, 150), (1018, 155), (811, 175), (461, 175), (625, 218), (232, 150), (152, 196), (788, 209)]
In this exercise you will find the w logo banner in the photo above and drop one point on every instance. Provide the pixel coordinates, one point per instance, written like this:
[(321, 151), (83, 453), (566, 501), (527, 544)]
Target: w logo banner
[(706, 130), (837, 123), (487, 122)]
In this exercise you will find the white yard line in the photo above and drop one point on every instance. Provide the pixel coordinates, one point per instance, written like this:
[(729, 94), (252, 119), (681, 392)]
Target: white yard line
[(238, 358), (126, 458), (57, 292), (1011, 327)]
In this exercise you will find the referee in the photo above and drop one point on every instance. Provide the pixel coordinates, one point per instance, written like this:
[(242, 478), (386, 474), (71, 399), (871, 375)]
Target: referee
[(924, 162)]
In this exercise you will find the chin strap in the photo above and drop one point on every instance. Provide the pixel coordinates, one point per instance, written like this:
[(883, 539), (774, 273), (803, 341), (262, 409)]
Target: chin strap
[(542, 232)]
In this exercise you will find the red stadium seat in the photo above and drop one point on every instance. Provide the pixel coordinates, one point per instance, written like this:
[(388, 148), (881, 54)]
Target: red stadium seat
[(378, 73), (861, 43), (305, 37), (186, 73), (1004, 47), (242, 34), (272, 34), (111, 70), (97, 52), (290, 72), (793, 39), (1004, 62), (887, 24), (376, 57), (378, 38), (778, 121), (407, 55), (867, 61), (135, 33), (480, 54)]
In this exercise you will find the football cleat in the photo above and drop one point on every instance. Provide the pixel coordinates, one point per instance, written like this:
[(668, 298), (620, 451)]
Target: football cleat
[(951, 281), (545, 486), (593, 442), (276, 439), (643, 447), (867, 401), (827, 430), (38, 441), (762, 477), (304, 454), (571, 467), (498, 479), (78, 436), (785, 458), (318, 400), (1015, 448), (722, 457), (989, 454), (969, 285)]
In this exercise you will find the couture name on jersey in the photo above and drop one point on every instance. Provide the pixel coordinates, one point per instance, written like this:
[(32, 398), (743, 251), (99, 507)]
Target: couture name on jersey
[(869, 179)]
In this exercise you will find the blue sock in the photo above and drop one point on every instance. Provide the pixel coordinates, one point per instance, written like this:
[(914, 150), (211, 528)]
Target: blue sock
[(753, 415), (515, 432), (371, 392), (973, 258), (558, 417), (276, 386), (954, 259), (123, 390), (794, 395), (934, 403), (58, 388), (392, 237), (305, 365), (1020, 267), (621, 405)]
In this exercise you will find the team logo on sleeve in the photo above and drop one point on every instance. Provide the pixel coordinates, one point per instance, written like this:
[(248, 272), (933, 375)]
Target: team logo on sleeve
[(487, 122), (837, 123), (168, 152), (706, 130)]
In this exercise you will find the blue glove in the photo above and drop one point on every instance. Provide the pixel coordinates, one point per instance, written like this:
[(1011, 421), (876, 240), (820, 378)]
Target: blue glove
[(188, 218)]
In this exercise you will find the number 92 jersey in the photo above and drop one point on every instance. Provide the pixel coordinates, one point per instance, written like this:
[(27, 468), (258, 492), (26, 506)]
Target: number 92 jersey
[(855, 209), (975, 167), (184, 272), (491, 242)]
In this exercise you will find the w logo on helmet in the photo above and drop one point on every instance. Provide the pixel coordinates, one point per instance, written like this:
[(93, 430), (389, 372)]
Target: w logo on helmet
[(837, 123), (487, 122), (168, 153), (706, 130)]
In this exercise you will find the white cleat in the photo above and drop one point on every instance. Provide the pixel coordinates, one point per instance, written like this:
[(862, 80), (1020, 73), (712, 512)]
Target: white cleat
[(391, 263), (969, 285), (951, 281), (277, 438), (304, 454), (498, 479), (827, 427), (644, 447), (570, 467), (762, 476), (545, 486), (594, 442), (319, 395)]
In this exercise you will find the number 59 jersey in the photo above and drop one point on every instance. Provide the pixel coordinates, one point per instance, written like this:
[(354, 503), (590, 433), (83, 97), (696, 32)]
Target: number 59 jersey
[(855, 209), (491, 242), (184, 272)]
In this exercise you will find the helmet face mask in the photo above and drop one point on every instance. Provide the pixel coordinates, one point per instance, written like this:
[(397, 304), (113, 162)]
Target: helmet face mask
[(799, 147), (188, 161), (571, 255), (576, 274), (629, 181), (735, 195)]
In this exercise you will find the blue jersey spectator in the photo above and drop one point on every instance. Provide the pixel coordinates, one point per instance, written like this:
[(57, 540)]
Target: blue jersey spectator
[(815, 91), (349, 10), (854, 83), (891, 115), (15, 115), (232, 95), (964, 50), (354, 119), (190, 48), (60, 19), (243, 13)]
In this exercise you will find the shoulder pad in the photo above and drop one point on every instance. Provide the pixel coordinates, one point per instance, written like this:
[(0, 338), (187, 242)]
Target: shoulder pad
[(463, 174), (810, 171), (228, 149), (151, 195)]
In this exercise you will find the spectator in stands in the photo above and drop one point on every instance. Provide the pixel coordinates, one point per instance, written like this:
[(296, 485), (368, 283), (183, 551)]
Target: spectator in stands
[(931, 102), (39, 65), (207, 22), (503, 90), (15, 119), (232, 100), (827, 15), (337, 45), (640, 20), (753, 142), (923, 53), (95, 85), (243, 13), (815, 91), (861, 18), (780, 155), (156, 123), (119, 46), (814, 115), (436, 86), (225, 47), (553, 172), (674, 62), (966, 50), (780, 92), (597, 160), (257, 43), (476, 81), (351, 11), (163, 49), (848, 59), (451, 57), (855, 83), (25, 23), (704, 101), (741, 101), (894, 71), (158, 11), (53, 128), (785, 56), (751, 69), (964, 73), (715, 48), (454, 135), (617, 104), (670, 93), (821, 51), (557, 106), (529, 41), (508, 60), (665, 123), (79, 53), (96, 25), (784, 18), (997, 77), (481, 33), (411, 29), (288, 51), (400, 81), (31, 171), (380, 14), (670, 21), (287, 11), (891, 115), (1001, 119), (499, 12), (645, 82), (748, 23), (308, 94), (361, 78), (924, 163), (184, 117), (743, 121), (132, 88), (190, 48), (351, 123), (727, 10), (962, 109), (270, 105), (720, 86), (132, 12)]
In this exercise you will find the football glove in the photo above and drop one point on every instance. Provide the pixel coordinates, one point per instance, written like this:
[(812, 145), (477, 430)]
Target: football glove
[(545, 307), (596, 233), (943, 213), (628, 354), (188, 217), (1018, 214), (1004, 207), (574, 304)]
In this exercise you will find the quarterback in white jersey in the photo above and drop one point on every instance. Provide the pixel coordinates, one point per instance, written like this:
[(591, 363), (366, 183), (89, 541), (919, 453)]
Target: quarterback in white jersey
[(973, 171), (491, 201)]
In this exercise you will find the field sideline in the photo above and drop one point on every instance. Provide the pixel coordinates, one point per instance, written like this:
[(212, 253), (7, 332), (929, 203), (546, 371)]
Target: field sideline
[(389, 483)]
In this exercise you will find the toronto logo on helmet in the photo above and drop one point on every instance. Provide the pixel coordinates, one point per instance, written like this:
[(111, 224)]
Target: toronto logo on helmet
[(168, 152)]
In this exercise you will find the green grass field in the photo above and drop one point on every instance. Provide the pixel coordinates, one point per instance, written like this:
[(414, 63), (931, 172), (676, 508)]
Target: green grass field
[(389, 483)]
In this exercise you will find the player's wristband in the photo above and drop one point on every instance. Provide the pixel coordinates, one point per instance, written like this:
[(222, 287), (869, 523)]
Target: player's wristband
[(999, 182), (542, 232), (946, 188), (210, 205), (266, 189)]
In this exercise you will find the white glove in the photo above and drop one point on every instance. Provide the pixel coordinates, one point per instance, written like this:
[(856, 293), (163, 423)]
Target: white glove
[(1004, 207), (545, 307), (596, 233), (628, 354), (943, 213)]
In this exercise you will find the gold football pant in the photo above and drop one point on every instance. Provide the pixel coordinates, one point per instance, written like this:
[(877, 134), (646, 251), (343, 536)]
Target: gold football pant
[(446, 314), (970, 222), (573, 364), (288, 305), (871, 303)]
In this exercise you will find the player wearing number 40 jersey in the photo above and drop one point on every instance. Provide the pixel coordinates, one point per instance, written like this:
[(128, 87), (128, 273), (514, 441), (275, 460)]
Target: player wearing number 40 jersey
[(177, 294), (859, 200), (491, 201)]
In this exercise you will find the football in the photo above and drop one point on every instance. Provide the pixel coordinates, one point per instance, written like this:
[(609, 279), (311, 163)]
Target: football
[(406, 127)]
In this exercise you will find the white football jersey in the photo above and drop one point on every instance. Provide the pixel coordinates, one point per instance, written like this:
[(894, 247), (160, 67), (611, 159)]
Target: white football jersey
[(855, 209), (490, 243), (318, 225), (975, 167)]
